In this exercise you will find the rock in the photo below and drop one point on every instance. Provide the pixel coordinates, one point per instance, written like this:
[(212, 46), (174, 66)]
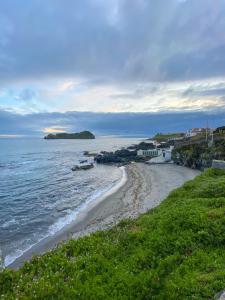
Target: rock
[(220, 296), (84, 167), (90, 154), (108, 158), (142, 146), (125, 155), (119, 157), (83, 161)]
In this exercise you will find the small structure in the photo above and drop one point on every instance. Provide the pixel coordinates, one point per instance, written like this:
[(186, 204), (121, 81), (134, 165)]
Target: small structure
[(166, 154), (195, 131), (83, 167), (163, 155), (148, 153)]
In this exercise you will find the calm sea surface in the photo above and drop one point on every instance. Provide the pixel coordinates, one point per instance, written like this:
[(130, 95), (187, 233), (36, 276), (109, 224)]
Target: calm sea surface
[(39, 194)]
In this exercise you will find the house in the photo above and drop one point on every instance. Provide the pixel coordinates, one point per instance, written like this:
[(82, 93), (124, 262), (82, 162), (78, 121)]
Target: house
[(157, 155), (195, 131), (149, 153)]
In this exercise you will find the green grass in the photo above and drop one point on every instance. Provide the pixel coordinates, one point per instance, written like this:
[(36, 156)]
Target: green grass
[(160, 137), (176, 251)]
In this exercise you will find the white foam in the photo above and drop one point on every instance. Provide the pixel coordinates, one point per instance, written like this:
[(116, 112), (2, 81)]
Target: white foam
[(90, 203), (98, 197), (8, 223)]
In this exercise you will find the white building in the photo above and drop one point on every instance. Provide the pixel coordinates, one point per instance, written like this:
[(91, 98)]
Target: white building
[(157, 155), (167, 155), (195, 131), (148, 153)]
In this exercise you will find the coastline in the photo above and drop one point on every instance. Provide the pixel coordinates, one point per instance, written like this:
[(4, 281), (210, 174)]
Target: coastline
[(142, 188), (75, 217)]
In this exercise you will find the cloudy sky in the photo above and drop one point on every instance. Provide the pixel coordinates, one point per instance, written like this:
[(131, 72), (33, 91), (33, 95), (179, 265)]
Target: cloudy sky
[(101, 65)]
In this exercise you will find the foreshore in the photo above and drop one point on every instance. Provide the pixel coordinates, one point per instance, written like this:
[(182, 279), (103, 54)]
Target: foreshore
[(144, 188)]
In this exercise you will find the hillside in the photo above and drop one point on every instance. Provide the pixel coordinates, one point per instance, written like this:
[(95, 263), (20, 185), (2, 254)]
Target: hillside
[(175, 251), (160, 137), (196, 153), (64, 135)]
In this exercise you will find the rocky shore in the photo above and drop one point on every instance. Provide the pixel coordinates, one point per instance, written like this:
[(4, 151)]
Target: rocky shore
[(124, 156), (199, 155)]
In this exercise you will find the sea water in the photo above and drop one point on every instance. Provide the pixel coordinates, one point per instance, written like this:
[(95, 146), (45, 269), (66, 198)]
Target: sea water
[(39, 194)]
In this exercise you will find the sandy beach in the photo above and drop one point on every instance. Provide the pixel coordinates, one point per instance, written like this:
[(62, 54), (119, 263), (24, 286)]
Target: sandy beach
[(144, 188)]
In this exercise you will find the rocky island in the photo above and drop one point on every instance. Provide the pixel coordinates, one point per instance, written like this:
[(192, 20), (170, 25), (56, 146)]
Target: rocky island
[(83, 135)]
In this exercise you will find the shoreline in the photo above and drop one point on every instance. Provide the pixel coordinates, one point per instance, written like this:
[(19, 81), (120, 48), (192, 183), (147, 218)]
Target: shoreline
[(141, 188), (77, 216)]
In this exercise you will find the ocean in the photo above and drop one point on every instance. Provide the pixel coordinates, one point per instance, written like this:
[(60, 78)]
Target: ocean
[(39, 194)]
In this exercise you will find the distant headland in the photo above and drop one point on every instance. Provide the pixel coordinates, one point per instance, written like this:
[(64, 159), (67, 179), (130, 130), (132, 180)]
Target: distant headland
[(84, 135)]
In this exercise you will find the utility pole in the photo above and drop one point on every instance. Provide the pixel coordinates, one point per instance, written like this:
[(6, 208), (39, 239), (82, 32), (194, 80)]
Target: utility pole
[(1, 261), (206, 132)]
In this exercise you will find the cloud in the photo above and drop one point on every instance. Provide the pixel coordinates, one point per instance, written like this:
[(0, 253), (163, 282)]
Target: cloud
[(138, 93), (205, 91), (27, 95), (112, 40), (111, 56), (196, 64), (145, 124), (55, 129)]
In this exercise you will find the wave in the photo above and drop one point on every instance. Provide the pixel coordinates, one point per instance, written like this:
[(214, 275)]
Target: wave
[(87, 205), (83, 209), (9, 223)]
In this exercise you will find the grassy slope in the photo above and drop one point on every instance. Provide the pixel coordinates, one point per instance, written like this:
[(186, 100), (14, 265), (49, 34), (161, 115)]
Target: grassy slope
[(176, 251), (160, 137)]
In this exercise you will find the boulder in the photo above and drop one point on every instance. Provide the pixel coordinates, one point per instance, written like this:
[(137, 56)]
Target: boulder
[(83, 167), (220, 296)]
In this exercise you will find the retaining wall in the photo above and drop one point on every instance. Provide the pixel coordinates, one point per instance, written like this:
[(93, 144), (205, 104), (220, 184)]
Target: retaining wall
[(218, 164)]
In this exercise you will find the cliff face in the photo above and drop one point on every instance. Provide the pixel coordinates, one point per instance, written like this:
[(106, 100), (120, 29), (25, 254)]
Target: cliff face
[(78, 135), (199, 155)]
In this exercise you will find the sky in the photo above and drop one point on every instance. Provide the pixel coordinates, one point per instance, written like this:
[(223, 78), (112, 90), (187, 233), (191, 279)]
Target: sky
[(113, 67)]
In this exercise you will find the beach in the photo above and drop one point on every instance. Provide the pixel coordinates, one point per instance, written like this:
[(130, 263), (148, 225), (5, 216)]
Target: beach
[(142, 188)]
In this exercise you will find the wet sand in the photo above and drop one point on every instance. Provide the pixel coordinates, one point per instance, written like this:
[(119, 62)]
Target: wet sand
[(145, 187)]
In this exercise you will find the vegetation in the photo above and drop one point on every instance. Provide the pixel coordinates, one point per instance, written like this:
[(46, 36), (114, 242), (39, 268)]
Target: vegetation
[(64, 135), (196, 153), (160, 137), (175, 251)]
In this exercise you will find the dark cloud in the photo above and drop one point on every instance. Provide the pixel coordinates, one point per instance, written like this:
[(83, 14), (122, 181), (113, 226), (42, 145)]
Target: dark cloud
[(113, 40), (214, 91), (196, 64), (107, 123)]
